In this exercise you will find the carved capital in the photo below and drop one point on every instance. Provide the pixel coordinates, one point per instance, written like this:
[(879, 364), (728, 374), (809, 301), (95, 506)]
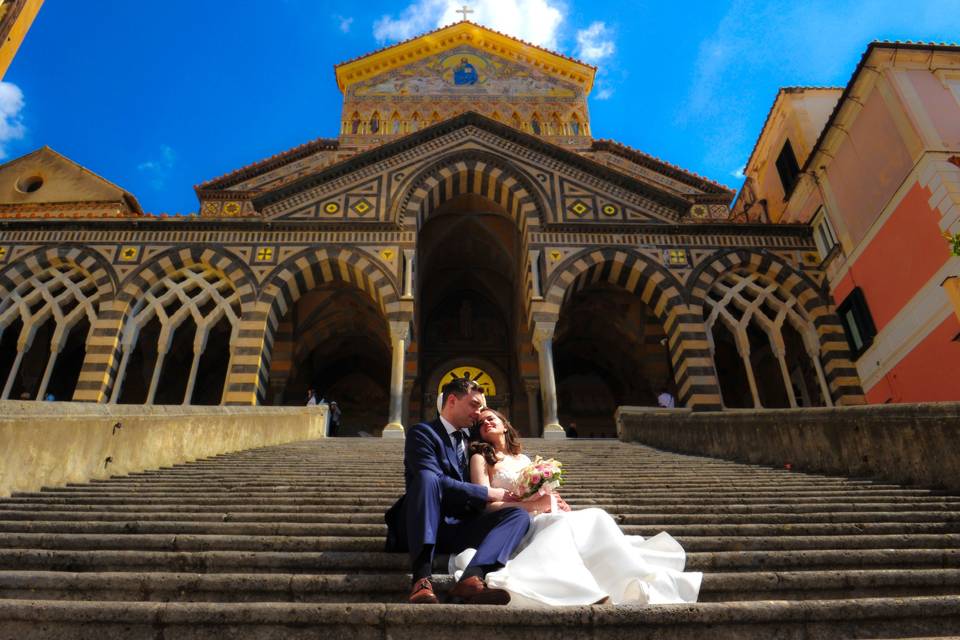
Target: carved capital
[(543, 332), (399, 330)]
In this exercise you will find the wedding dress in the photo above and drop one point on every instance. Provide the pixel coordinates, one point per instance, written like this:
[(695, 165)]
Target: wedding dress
[(582, 557)]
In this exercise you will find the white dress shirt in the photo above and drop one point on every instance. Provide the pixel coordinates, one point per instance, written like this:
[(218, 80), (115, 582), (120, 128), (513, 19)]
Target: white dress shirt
[(450, 431)]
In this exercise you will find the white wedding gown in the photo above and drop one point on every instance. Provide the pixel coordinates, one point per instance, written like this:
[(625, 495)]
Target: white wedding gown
[(582, 557)]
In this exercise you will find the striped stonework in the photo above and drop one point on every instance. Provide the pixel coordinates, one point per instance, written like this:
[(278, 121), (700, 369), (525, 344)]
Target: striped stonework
[(83, 278), (812, 302), (694, 374), (483, 174), (478, 173), (298, 274), (102, 361)]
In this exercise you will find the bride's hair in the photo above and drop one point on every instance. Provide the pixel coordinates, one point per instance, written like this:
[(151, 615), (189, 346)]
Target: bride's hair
[(511, 439)]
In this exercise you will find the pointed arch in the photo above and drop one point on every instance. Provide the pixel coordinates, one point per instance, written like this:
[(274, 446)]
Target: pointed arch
[(811, 302), (477, 172), (101, 366), (51, 291), (285, 285), (636, 273)]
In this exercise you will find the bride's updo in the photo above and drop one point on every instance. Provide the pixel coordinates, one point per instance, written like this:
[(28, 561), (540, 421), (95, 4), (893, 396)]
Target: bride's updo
[(511, 438)]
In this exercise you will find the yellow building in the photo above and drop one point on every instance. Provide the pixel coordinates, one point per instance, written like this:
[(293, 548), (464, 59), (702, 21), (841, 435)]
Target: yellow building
[(16, 16)]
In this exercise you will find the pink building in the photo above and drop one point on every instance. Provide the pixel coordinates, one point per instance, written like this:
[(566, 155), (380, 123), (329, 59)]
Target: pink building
[(874, 167)]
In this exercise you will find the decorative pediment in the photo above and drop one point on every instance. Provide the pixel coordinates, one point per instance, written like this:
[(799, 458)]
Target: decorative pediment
[(401, 181), (466, 71), (480, 40)]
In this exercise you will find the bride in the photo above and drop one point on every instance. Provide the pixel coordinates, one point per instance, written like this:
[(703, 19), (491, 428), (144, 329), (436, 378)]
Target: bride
[(572, 557)]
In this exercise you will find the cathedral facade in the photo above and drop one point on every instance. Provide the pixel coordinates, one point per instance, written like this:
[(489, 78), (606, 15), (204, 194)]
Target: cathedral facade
[(464, 222)]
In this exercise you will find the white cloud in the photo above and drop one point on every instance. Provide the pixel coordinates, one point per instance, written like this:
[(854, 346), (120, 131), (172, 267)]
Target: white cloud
[(602, 92), (157, 169), (739, 174), (11, 115), (536, 21), (344, 23), (595, 43)]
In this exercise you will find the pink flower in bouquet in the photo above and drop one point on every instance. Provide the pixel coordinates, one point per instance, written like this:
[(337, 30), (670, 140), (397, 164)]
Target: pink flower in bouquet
[(547, 474)]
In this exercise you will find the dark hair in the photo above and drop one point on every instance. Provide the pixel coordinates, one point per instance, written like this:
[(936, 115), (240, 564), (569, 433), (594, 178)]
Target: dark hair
[(511, 437), (459, 387)]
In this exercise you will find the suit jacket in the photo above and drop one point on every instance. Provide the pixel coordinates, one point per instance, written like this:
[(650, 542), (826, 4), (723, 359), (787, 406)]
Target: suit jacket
[(428, 448)]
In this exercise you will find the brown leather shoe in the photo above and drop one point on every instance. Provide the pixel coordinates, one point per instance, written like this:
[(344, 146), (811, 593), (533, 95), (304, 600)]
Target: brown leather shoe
[(473, 590), (422, 593)]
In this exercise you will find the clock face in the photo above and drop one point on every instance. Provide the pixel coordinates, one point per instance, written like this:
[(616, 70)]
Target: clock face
[(476, 374)]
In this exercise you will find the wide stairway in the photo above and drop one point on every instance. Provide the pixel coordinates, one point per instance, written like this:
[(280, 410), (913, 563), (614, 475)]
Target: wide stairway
[(287, 542)]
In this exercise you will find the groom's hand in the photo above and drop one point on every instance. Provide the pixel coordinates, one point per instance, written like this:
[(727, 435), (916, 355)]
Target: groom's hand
[(495, 494)]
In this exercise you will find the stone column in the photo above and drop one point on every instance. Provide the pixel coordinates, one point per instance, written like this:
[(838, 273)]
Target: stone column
[(399, 334), (409, 255), (543, 343), (534, 257), (532, 388)]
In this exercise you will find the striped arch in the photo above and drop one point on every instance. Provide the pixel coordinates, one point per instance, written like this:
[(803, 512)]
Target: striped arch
[(694, 374), (100, 368), (45, 257), (841, 374), (481, 173), (67, 283), (283, 287), (476, 172)]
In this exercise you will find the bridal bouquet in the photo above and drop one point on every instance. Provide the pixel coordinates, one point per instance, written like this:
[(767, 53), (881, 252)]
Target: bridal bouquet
[(540, 478)]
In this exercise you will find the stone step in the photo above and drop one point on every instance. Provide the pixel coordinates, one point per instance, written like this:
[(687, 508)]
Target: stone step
[(393, 587), (861, 617), (372, 540), (571, 489), (339, 561), (383, 498), (636, 505), (109, 523)]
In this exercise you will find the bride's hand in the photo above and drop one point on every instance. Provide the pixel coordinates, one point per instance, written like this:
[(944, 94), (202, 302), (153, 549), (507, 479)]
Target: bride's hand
[(539, 505), (562, 504)]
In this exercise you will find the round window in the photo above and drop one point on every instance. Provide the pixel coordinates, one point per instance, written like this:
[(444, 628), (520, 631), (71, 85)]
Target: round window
[(29, 184)]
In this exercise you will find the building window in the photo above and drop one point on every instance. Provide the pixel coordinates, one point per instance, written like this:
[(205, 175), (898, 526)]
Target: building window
[(574, 128), (788, 168), (375, 123), (823, 233), (857, 322), (535, 126)]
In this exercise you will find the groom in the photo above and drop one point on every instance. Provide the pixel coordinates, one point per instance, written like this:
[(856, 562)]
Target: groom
[(443, 512)]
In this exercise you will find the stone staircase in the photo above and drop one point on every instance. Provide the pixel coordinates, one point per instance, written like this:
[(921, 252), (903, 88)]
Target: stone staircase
[(286, 542)]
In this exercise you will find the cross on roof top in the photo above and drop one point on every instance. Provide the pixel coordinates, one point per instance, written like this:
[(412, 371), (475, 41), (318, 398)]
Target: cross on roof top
[(465, 10)]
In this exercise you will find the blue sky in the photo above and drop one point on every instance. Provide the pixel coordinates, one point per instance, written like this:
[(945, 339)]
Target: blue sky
[(159, 96)]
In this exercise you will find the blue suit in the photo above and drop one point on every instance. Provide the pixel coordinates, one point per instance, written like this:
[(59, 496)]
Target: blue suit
[(441, 507)]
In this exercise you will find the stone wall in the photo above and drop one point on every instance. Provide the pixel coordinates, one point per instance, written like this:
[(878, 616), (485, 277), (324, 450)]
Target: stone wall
[(904, 443), (53, 443)]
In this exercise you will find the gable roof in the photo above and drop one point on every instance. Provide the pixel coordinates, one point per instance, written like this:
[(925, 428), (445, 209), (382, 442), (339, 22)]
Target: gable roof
[(102, 189), (268, 164), (933, 47), (454, 35), (505, 131)]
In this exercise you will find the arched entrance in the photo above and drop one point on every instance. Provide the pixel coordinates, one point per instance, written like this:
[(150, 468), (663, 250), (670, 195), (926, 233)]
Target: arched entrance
[(334, 340), (610, 350), (468, 302)]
